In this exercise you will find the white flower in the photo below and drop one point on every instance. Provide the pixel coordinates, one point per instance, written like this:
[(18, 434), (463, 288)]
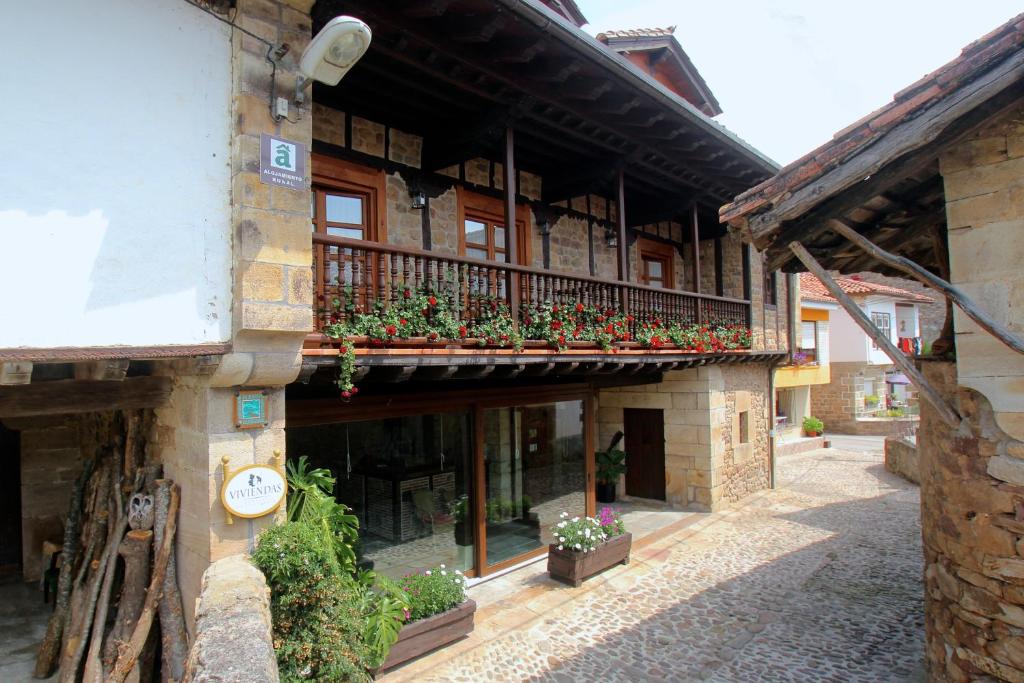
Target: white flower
[(561, 525), (561, 539), (442, 567), (458, 572), (578, 546), (586, 533), (564, 515), (559, 547), (575, 519), (427, 573), (444, 573)]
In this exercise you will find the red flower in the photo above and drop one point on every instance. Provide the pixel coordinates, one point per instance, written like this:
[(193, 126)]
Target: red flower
[(504, 337), (403, 321), (407, 293), (556, 324), (630, 318), (462, 331), (425, 311), (346, 394), (432, 336), (609, 329), (610, 312), (600, 318), (561, 340), (527, 320), (554, 309), (391, 330), (343, 349), (579, 308), (354, 390), (432, 301)]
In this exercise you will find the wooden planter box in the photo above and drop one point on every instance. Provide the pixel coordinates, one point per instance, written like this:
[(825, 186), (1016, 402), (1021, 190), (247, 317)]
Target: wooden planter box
[(420, 637), (572, 567)]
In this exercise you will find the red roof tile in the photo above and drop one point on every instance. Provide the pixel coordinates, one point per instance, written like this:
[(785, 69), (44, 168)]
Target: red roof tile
[(812, 289), (974, 60), (637, 33)]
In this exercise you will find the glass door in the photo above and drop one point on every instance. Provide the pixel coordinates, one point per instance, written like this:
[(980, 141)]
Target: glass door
[(534, 468)]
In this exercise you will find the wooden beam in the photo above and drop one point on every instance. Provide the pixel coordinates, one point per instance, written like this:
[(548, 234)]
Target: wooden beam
[(83, 396), (108, 370), (966, 304), (945, 411), (695, 246), (620, 224), (512, 247)]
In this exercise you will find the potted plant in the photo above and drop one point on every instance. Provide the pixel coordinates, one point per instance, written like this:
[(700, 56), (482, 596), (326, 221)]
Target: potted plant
[(439, 613), (610, 465), (813, 426), (463, 528), (584, 546), (871, 401)]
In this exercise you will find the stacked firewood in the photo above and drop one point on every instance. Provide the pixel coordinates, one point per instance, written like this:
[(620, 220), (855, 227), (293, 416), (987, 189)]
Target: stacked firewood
[(117, 575)]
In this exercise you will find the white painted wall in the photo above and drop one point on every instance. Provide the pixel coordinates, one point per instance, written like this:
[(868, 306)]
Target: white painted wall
[(115, 187), (847, 342), (908, 321)]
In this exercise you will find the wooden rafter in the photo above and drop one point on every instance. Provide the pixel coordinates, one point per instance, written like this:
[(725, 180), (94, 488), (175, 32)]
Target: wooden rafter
[(945, 411), (966, 304)]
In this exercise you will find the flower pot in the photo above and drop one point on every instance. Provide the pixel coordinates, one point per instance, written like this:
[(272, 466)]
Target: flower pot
[(605, 492), (419, 637), (810, 433), (573, 567)]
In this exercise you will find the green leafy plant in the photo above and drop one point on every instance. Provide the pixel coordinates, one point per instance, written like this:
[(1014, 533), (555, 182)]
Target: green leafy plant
[(318, 628), (813, 425), (312, 503), (385, 607), (579, 534), (895, 412), (610, 465), (433, 591), (871, 400)]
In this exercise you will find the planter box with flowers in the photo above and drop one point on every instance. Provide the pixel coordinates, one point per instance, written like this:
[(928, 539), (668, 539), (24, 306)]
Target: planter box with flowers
[(587, 545), (439, 614)]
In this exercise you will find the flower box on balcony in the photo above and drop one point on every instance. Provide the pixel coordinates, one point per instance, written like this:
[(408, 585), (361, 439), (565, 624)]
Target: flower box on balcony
[(420, 637), (573, 567)]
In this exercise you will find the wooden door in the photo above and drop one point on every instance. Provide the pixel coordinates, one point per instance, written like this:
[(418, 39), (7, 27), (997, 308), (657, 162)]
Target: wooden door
[(10, 501), (645, 452)]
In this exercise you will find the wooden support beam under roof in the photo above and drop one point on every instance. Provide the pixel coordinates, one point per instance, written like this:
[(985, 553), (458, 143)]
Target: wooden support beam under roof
[(83, 396), (899, 359), (966, 304)]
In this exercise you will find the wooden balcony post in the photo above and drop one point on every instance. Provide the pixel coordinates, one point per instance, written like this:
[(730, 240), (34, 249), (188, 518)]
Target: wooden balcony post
[(512, 277), (695, 245), (620, 230)]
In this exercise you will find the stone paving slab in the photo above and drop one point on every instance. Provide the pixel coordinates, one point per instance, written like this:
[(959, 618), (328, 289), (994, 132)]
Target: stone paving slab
[(818, 580)]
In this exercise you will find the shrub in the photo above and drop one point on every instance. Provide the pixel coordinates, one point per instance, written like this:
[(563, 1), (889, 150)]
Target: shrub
[(318, 626), (610, 465), (433, 591), (813, 424)]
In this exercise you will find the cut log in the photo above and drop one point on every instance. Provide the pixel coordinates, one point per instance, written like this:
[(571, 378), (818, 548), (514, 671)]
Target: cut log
[(173, 636), (130, 650), (928, 392), (951, 292), (135, 551), (49, 651)]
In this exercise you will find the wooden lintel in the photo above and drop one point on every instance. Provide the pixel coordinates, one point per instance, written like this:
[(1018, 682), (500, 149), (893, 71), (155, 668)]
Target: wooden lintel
[(966, 304), (942, 407), (566, 368), (475, 371), (539, 369), (83, 396), (396, 373), (438, 372), (509, 371)]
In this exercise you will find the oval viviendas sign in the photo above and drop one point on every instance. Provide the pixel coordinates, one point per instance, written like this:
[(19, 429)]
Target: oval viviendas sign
[(253, 491)]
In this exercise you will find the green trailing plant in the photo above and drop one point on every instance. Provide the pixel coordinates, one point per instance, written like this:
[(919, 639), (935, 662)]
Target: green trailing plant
[(433, 591), (318, 627), (813, 425), (610, 465)]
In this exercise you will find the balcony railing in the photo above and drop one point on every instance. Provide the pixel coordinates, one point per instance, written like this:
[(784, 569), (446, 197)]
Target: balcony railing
[(354, 274)]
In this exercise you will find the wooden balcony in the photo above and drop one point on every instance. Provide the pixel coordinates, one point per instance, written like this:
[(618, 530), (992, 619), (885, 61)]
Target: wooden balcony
[(354, 277)]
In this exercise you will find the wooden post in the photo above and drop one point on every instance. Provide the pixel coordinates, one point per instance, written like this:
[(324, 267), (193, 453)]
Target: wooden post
[(620, 229), (966, 304), (512, 279), (945, 411), (695, 246)]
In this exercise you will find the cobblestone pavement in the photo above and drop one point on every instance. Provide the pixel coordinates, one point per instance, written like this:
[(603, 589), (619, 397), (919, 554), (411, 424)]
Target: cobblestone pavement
[(819, 580)]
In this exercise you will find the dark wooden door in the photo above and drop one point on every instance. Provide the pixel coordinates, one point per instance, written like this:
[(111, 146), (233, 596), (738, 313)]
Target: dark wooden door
[(10, 500), (645, 452)]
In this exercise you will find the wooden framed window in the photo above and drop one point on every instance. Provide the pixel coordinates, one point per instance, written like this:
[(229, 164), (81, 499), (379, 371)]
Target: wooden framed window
[(482, 231), (656, 264), (771, 286), (348, 200)]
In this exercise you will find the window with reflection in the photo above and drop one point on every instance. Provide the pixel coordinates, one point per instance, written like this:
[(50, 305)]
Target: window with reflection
[(485, 238), (342, 214)]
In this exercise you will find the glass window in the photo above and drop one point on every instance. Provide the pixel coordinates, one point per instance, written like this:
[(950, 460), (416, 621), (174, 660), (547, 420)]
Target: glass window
[(808, 335), (408, 479), (476, 232), (534, 470), (473, 252), (354, 233), (883, 322), (344, 209), (499, 237)]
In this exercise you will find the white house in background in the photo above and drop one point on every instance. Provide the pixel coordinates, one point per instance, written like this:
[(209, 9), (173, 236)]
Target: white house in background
[(859, 370)]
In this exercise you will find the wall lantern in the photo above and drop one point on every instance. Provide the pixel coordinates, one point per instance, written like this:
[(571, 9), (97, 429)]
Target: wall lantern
[(419, 199), (611, 237), (332, 52), (544, 228)]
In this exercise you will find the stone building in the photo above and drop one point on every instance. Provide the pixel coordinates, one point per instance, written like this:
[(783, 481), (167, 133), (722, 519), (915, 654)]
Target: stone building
[(158, 284), (936, 177)]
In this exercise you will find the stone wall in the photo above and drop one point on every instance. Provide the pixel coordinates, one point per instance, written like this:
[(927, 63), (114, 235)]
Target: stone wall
[(836, 403), (709, 458), (983, 177), (972, 518), (902, 458), (234, 639)]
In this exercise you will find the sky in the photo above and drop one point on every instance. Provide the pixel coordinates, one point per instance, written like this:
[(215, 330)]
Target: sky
[(790, 73)]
